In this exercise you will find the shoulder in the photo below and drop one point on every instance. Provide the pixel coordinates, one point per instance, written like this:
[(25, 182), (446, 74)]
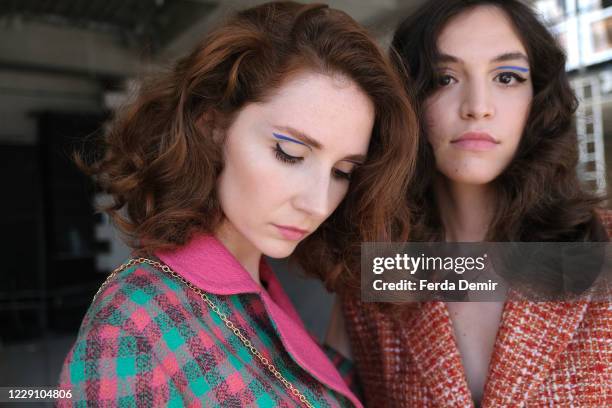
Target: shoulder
[(130, 294), (149, 304), (136, 338), (130, 310)]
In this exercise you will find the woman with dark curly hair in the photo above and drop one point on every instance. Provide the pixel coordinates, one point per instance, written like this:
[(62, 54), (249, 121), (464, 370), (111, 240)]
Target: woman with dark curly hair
[(497, 162), (281, 129)]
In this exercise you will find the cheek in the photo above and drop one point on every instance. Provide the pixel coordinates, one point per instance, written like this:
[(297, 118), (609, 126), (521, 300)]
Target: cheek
[(435, 123), (515, 113), (339, 188), (246, 180)]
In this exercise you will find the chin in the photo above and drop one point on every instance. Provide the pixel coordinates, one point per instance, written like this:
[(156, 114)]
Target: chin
[(472, 172), (472, 178), (278, 249)]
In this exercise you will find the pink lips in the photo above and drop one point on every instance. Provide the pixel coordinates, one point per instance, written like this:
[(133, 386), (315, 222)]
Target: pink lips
[(479, 141), (291, 233)]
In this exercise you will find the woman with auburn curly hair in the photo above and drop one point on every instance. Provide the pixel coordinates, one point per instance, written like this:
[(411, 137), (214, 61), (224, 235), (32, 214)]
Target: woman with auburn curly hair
[(497, 162), (281, 129)]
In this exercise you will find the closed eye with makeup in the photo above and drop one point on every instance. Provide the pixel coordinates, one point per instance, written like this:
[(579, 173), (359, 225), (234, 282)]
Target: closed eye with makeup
[(289, 160), (292, 151)]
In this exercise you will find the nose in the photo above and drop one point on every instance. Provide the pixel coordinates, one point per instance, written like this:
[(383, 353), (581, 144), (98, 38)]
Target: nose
[(313, 196), (477, 102)]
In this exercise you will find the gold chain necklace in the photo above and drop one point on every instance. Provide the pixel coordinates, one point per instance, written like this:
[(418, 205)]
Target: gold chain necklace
[(230, 325)]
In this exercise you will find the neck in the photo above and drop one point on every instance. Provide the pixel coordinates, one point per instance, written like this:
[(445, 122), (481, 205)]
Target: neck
[(466, 210), (243, 250)]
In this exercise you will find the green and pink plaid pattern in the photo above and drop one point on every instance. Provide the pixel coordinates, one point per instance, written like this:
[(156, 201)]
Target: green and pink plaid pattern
[(150, 341)]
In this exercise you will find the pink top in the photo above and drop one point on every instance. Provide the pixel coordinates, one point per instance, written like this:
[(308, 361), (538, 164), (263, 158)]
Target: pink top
[(230, 278)]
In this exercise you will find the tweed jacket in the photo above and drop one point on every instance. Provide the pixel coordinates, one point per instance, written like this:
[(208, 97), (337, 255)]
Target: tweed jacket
[(149, 340), (546, 354)]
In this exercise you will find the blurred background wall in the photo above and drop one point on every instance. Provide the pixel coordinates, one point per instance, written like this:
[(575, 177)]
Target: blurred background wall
[(66, 65)]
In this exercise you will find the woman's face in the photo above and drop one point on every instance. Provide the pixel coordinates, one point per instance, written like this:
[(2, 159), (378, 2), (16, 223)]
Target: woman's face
[(288, 161), (476, 116)]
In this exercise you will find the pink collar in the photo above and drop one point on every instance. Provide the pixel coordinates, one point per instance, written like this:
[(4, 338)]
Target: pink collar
[(206, 263)]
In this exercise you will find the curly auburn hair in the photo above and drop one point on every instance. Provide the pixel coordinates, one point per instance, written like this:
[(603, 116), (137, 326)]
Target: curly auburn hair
[(160, 162), (540, 197)]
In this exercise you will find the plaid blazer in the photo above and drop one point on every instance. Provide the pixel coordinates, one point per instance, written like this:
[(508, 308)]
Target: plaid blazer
[(148, 340), (546, 354)]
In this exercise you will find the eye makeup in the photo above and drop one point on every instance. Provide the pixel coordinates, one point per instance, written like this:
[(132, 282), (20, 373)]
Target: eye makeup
[(284, 157), (507, 78), (514, 67), (288, 139), (289, 150)]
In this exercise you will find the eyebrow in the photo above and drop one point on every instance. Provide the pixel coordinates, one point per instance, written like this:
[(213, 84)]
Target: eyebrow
[(308, 141), (507, 56), (511, 56)]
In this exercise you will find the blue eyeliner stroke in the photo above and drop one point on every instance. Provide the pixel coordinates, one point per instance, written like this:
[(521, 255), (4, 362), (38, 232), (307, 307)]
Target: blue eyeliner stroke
[(283, 137), (521, 69)]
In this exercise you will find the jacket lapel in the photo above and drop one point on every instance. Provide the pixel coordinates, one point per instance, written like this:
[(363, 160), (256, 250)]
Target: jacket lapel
[(429, 338), (206, 263), (529, 340)]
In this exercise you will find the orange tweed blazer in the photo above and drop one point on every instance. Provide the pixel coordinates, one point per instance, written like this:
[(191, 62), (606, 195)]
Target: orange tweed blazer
[(547, 354)]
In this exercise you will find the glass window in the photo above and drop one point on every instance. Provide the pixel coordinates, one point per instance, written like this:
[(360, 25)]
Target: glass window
[(554, 11), (596, 39), (589, 5)]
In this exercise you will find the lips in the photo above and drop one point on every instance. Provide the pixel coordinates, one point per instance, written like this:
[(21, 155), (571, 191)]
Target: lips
[(291, 233), (478, 141)]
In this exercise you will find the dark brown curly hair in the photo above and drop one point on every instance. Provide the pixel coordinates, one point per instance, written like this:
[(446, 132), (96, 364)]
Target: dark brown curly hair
[(160, 162), (540, 197)]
